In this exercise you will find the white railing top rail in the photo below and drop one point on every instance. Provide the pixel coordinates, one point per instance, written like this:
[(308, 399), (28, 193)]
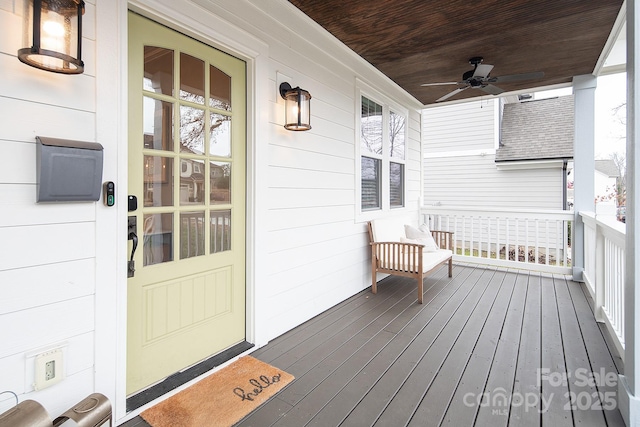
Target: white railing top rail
[(501, 212), (611, 228)]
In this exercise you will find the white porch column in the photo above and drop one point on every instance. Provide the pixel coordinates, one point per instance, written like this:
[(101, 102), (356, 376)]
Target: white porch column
[(629, 384), (584, 94)]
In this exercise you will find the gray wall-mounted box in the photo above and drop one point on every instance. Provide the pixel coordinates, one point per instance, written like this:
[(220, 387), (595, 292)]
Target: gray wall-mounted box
[(68, 171)]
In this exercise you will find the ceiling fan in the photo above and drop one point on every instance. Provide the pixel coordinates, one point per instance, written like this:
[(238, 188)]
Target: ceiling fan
[(478, 78)]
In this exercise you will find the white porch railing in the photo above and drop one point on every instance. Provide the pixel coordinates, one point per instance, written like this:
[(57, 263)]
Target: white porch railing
[(604, 249), (534, 240)]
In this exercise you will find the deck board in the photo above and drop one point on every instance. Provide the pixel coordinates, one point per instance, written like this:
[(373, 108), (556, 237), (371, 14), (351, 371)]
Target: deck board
[(385, 390), (468, 361), (338, 408), (583, 396), (553, 373), (503, 365), (480, 341), (526, 379), (460, 408), (600, 358)]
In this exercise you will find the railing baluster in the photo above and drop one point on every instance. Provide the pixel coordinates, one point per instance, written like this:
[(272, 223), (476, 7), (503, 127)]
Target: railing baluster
[(557, 244)]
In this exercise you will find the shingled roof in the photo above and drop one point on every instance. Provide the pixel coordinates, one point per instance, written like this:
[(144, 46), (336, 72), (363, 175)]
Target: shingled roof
[(537, 130), (607, 167)]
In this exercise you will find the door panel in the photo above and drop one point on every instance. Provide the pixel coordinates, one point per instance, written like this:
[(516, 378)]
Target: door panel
[(187, 115)]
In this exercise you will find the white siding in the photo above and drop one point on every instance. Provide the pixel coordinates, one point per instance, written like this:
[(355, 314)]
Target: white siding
[(62, 266), (475, 181), (460, 168), (466, 126), (47, 251)]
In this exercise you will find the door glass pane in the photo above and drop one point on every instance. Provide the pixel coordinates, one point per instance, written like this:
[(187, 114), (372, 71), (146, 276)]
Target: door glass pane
[(220, 231), (192, 179), (191, 79), (158, 181), (157, 124), (396, 135), (371, 127), (220, 182), (220, 84), (191, 130), (191, 234), (158, 70), (158, 238), (220, 137)]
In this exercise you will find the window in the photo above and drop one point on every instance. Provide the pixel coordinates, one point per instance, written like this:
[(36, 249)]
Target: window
[(396, 152), (382, 156)]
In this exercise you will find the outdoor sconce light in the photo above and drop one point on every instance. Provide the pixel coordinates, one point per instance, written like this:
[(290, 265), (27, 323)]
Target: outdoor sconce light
[(54, 29), (297, 107)]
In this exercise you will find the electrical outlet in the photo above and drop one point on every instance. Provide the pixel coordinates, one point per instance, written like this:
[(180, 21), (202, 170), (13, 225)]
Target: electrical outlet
[(49, 369)]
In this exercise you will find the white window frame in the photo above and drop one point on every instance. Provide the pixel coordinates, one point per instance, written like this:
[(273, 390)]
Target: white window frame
[(364, 90)]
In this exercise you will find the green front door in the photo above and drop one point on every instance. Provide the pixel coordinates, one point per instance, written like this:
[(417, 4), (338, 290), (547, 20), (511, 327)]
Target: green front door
[(187, 115)]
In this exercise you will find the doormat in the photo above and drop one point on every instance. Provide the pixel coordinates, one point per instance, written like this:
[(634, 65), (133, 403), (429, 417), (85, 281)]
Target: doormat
[(223, 398)]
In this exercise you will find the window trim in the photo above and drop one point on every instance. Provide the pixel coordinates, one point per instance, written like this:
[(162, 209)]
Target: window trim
[(364, 90)]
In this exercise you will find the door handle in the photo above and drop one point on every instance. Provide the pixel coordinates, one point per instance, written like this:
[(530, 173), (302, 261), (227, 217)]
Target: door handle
[(132, 235)]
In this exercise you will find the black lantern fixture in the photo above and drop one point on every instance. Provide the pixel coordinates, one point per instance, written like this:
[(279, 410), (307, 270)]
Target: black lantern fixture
[(297, 107), (55, 32)]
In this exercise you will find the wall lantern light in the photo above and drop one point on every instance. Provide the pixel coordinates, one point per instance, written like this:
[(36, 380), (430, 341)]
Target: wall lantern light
[(297, 107), (54, 30)]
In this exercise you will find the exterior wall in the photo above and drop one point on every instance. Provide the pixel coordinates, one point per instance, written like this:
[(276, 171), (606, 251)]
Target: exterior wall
[(461, 127), (47, 251), (63, 266), (460, 143)]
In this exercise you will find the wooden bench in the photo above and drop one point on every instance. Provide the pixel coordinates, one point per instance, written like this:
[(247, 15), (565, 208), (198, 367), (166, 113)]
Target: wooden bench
[(392, 253)]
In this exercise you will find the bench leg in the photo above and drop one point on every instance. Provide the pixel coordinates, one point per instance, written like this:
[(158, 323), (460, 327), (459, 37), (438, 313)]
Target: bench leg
[(450, 267), (374, 283), (420, 287)]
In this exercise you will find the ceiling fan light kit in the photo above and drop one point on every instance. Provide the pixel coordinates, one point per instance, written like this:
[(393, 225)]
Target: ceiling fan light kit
[(479, 78)]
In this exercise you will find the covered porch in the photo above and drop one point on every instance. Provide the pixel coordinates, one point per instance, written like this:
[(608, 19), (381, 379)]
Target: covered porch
[(490, 346)]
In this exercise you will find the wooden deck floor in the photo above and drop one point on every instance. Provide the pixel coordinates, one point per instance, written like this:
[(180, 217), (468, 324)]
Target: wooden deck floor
[(489, 347)]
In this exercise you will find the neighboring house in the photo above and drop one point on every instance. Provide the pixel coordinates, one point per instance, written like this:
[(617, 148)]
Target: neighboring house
[(606, 180), (238, 220), (483, 154)]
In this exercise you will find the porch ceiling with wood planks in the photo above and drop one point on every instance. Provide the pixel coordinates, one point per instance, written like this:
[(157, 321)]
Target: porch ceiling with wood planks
[(415, 41)]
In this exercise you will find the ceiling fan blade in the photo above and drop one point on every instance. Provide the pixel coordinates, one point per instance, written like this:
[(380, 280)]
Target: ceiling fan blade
[(517, 77), (493, 90), (450, 94), (482, 70), (439, 84)]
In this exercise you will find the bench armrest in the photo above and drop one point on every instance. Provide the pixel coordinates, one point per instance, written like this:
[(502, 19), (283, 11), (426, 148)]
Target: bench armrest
[(444, 239)]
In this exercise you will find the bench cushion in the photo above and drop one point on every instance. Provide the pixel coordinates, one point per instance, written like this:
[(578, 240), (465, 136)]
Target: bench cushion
[(421, 235), (387, 230), (432, 259)]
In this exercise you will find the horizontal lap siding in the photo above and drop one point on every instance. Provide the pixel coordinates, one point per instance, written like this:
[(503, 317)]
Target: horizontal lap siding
[(475, 181), (47, 251), (466, 126), (317, 251)]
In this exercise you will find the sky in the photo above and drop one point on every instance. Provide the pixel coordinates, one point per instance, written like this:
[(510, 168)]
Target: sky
[(610, 128)]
